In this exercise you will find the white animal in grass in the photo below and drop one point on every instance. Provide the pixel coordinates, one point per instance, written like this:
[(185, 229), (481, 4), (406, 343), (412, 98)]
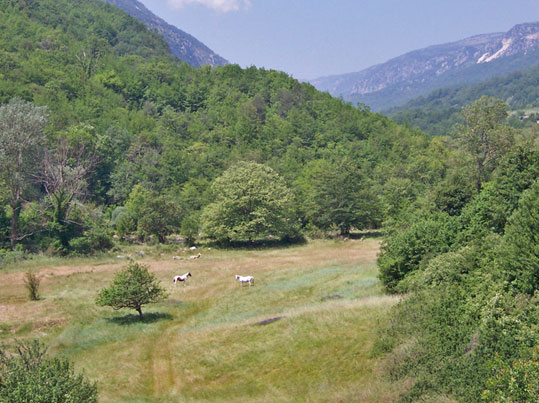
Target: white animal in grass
[(245, 279), (182, 278), (195, 257)]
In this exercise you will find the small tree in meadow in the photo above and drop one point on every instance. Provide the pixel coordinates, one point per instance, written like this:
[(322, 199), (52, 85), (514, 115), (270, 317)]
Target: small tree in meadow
[(132, 287)]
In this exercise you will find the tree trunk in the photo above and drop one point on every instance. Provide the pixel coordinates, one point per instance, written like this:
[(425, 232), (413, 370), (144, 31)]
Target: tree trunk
[(479, 174), (15, 213), (139, 310)]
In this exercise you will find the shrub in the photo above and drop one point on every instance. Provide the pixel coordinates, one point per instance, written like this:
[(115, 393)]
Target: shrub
[(31, 281), (27, 376), (515, 382), (159, 217), (413, 247), (97, 238)]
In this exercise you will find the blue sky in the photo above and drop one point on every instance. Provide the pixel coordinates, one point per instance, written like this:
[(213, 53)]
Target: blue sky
[(314, 38)]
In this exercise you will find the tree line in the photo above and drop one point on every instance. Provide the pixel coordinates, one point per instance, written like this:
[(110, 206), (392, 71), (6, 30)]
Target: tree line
[(131, 141)]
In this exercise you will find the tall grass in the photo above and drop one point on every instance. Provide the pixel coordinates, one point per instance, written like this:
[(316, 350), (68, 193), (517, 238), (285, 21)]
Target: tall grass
[(204, 343)]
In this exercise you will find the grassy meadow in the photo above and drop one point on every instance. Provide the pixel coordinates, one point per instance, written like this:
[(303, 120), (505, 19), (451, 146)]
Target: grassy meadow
[(205, 343)]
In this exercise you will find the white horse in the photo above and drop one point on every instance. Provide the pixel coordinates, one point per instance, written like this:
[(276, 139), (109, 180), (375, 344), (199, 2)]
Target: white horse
[(182, 278), (245, 279)]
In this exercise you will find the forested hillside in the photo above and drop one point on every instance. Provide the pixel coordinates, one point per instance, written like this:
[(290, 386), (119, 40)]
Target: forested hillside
[(181, 44), (438, 112), (144, 131), (466, 254)]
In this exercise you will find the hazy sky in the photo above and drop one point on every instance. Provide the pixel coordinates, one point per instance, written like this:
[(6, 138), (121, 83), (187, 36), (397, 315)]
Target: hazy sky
[(313, 38)]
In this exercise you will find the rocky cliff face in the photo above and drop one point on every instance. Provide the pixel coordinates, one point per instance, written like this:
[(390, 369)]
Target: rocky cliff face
[(181, 44), (467, 61)]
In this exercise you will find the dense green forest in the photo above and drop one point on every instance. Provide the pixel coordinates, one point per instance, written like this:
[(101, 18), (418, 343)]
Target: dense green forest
[(138, 130), (466, 254), (438, 112), (104, 137)]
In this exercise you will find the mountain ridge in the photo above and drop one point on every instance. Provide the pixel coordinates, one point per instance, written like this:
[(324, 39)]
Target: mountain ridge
[(181, 44), (416, 73)]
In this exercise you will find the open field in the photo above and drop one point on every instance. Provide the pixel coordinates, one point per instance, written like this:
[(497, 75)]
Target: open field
[(204, 342)]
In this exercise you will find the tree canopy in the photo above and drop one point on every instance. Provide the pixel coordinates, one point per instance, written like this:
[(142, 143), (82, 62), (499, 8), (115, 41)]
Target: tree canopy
[(132, 287), (251, 202)]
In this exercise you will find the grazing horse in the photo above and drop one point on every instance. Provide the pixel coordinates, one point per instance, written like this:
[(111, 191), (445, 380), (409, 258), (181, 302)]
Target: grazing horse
[(182, 278), (245, 279)]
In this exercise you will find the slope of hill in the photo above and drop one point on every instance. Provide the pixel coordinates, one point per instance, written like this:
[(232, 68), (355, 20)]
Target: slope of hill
[(440, 110), (181, 44), (417, 73), (164, 125)]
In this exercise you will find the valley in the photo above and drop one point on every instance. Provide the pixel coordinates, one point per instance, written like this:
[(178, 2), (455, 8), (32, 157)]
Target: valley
[(205, 343)]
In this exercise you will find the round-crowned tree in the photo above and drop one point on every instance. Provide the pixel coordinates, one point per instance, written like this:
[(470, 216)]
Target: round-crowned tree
[(251, 202), (132, 287)]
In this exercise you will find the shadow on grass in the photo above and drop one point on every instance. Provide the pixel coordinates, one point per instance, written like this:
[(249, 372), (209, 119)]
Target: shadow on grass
[(260, 244), (132, 319), (366, 234)]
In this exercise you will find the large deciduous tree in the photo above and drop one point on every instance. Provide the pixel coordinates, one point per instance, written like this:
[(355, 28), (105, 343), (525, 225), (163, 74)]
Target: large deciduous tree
[(21, 144), (251, 202), (63, 176), (338, 196), (484, 136)]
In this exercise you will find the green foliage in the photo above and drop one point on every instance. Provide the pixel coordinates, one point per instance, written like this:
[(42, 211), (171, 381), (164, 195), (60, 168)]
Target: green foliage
[(126, 224), (411, 248), (337, 195), (97, 238), (21, 142), (159, 217), (519, 257), (31, 282), (473, 290), (132, 287), (191, 228), (154, 123), (28, 376), (251, 202), (484, 136), (515, 382)]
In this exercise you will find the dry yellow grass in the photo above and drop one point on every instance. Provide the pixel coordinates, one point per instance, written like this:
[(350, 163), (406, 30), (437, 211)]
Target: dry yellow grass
[(204, 343)]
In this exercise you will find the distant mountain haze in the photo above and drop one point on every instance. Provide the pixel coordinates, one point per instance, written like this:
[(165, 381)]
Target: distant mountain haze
[(416, 73), (181, 44)]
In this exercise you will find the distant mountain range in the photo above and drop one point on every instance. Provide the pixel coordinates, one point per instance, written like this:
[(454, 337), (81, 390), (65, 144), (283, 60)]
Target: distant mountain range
[(181, 44), (417, 73), (438, 112)]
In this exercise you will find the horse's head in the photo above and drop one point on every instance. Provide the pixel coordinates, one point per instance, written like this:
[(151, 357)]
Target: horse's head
[(237, 277), (189, 275)]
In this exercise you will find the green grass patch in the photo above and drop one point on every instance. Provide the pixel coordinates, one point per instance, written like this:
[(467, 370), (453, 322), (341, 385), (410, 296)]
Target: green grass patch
[(204, 343)]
